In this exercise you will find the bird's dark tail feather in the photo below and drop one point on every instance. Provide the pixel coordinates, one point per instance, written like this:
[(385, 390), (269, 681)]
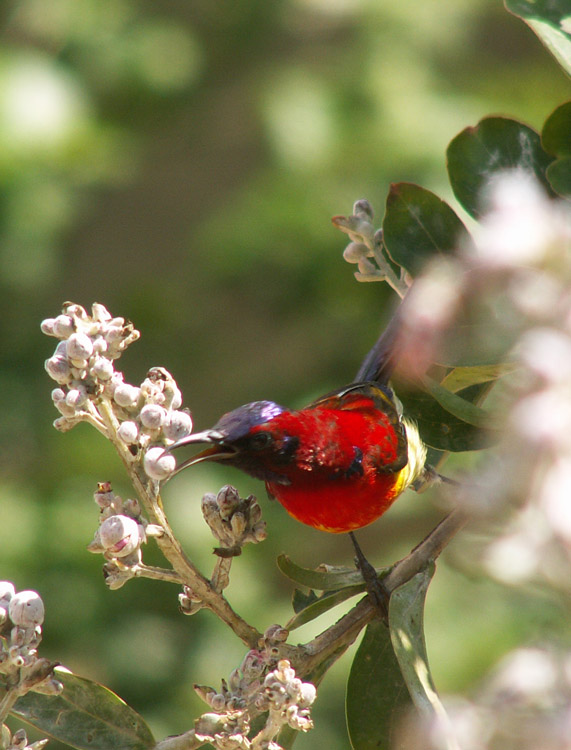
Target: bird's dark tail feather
[(380, 362)]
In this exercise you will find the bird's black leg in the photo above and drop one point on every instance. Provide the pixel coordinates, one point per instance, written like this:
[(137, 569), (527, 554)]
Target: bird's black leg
[(378, 592)]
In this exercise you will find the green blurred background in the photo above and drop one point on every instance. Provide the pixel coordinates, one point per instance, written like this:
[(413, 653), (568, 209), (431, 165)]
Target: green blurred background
[(179, 161)]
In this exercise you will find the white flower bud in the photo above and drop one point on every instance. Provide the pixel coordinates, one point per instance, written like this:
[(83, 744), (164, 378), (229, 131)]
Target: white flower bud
[(120, 535), (58, 394), (76, 311), (100, 313), (153, 416), (58, 368), (176, 398), (76, 397), (79, 366), (208, 725), (102, 368), (64, 408), (366, 266), (308, 693), (126, 395), (19, 740), (47, 326), (99, 345), (238, 524), (355, 251), (128, 432), (63, 326), (26, 609), (79, 346), (61, 349), (7, 591), (158, 464), (178, 424)]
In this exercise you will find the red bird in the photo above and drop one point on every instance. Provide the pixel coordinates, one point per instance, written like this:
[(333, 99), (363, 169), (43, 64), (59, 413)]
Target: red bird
[(338, 463)]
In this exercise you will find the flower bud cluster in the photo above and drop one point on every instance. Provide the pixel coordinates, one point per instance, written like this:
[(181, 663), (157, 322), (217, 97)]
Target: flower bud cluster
[(19, 740), (234, 521), (21, 618), (82, 363), (247, 693), (286, 695), (365, 247), (245, 682), (227, 731), (145, 419), (122, 530)]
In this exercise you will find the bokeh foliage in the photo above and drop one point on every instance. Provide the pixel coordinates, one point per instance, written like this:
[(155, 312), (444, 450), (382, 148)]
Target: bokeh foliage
[(179, 162)]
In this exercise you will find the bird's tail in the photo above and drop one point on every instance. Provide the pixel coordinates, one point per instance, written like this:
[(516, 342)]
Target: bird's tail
[(380, 362)]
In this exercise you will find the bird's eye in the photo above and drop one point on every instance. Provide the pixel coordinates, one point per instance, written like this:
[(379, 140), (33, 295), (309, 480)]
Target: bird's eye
[(260, 440)]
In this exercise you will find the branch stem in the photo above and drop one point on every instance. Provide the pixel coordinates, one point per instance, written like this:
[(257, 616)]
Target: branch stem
[(148, 492)]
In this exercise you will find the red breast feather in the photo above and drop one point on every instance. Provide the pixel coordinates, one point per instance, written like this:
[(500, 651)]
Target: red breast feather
[(338, 477)]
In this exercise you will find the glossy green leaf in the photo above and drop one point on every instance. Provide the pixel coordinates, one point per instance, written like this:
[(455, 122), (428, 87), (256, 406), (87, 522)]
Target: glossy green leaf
[(549, 19), (316, 606), (556, 138), (559, 176), (86, 715), (406, 625), (377, 695), (458, 406), (419, 225), (494, 145), (464, 377), (438, 427), (556, 133), (323, 579)]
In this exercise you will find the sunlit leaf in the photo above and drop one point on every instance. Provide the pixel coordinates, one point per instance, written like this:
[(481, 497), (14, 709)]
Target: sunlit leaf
[(419, 225), (494, 145), (549, 19), (406, 625), (458, 406), (86, 715), (329, 579), (377, 695), (464, 377), (316, 606)]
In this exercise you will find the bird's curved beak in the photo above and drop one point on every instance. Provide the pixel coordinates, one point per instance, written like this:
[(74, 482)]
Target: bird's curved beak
[(217, 450)]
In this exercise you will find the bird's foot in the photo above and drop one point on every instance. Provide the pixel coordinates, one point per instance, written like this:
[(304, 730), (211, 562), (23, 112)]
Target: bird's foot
[(378, 593)]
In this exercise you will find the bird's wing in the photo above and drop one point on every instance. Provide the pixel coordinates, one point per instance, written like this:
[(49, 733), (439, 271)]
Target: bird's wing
[(370, 397)]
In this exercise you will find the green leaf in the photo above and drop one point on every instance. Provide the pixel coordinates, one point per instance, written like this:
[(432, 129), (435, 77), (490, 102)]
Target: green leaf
[(324, 578), (377, 695), (549, 19), (438, 427), (494, 145), (418, 225), (556, 138), (318, 605), (458, 406), (406, 625), (556, 133), (464, 377), (86, 715), (559, 176)]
